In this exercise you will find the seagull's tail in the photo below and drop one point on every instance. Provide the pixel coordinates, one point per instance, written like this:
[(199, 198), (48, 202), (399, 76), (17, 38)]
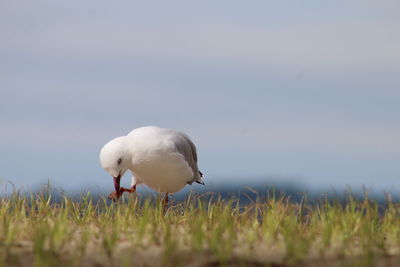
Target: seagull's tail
[(200, 181)]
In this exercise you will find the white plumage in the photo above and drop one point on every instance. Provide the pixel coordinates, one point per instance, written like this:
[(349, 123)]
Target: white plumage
[(163, 159)]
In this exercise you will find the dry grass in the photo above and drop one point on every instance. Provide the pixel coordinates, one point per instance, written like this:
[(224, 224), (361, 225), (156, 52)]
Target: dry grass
[(34, 231)]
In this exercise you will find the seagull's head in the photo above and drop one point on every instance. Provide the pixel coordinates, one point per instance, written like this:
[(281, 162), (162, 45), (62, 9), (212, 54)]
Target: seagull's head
[(114, 157)]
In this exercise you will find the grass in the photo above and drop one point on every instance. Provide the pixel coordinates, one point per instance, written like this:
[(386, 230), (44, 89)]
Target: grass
[(36, 231)]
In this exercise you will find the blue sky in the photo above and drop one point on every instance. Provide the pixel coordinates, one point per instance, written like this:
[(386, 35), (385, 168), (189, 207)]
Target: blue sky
[(268, 90)]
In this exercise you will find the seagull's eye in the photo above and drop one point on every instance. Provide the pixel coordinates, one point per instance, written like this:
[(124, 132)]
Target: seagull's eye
[(119, 161)]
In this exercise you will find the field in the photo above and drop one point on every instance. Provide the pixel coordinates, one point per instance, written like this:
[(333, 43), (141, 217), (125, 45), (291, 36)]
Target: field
[(199, 231)]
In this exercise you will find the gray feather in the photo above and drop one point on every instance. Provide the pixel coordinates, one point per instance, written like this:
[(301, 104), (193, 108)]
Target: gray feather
[(185, 147)]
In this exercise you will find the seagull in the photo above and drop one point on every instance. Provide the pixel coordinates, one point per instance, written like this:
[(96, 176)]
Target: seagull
[(163, 159)]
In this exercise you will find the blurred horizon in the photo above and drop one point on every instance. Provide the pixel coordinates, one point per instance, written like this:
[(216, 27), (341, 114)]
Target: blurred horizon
[(270, 92), (240, 192)]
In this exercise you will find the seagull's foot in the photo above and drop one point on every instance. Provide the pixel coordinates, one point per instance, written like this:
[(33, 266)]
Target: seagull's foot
[(114, 196)]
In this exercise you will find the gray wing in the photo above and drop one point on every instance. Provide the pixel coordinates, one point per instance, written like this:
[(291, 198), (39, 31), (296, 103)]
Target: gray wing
[(185, 146)]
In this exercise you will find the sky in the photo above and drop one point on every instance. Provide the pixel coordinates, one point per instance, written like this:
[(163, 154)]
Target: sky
[(270, 91)]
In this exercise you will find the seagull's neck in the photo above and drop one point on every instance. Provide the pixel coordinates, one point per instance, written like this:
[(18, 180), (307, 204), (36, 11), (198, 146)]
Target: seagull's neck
[(135, 161), (131, 156)]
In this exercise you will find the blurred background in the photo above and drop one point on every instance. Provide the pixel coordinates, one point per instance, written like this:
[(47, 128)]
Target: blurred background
[(272, 92)]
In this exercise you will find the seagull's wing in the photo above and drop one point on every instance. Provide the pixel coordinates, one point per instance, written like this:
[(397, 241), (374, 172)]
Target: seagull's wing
[(185, 147)]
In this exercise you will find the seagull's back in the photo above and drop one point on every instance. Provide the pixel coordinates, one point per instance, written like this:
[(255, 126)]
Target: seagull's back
[(163, 159)]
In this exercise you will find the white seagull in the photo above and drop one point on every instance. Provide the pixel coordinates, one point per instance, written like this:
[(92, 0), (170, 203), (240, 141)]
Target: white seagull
[(163, 159)]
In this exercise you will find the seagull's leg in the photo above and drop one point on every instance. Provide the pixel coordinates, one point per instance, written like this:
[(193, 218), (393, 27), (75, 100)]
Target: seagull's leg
[(165, 202), (129, 190)]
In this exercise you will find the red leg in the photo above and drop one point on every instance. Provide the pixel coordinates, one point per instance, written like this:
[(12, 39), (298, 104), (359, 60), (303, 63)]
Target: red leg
[(165, 202), (130, 190)]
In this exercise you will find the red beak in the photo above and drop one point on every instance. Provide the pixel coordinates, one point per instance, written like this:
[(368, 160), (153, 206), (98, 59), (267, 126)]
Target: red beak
[(116, 183)]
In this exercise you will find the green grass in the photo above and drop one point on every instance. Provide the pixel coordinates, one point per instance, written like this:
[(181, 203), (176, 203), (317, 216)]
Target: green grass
[(35, 231)]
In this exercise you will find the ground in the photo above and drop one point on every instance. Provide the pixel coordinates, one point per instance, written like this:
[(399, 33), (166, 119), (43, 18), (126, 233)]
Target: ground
[(37, 231)]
